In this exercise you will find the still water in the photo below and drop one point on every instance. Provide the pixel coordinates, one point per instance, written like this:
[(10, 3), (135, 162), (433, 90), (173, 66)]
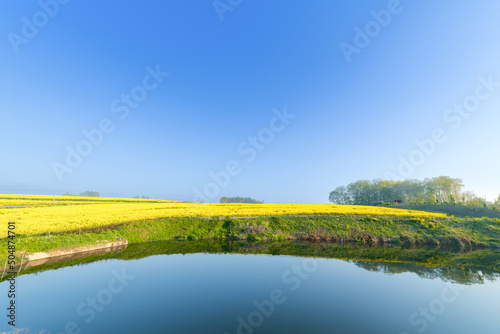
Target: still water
[(204, 292)]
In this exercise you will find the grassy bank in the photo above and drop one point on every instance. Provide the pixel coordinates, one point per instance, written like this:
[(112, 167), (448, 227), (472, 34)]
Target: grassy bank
[(460, 232), (41, 219)]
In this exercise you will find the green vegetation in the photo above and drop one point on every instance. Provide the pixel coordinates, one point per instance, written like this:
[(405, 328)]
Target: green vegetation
[(459, 232), (89, 193), (239, 200), (442, 189), (450, 264), (440, 194)]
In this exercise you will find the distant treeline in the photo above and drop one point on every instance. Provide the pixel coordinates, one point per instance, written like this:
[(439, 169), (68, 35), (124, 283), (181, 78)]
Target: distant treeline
[(239, 200), (86, 193), (437, 190)]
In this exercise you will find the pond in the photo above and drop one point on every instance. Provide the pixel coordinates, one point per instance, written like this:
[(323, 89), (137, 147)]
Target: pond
[(236, 287)]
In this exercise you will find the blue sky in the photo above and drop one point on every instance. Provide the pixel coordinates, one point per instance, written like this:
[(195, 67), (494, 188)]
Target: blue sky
[(351, 115)]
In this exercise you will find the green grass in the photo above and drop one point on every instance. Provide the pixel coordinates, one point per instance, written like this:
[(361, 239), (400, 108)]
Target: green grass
[(335, 228)]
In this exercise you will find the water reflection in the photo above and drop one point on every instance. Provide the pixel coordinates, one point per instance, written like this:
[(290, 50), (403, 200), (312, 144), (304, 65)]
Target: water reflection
[(225, 287), (464, 266)]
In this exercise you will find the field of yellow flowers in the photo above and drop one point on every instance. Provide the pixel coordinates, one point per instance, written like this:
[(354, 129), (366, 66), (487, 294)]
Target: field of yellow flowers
[(106, 211), (43, 200)]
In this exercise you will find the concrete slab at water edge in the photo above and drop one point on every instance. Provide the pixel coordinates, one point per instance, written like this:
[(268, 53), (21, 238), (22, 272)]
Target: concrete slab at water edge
[(69, 252), (39, 258)]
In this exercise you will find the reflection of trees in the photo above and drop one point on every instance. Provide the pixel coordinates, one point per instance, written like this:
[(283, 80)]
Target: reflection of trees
[(455, 275)]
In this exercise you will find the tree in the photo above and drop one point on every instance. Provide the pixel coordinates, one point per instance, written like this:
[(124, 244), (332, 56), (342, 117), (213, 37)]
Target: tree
[(468, 196), (340, 196), (239, 200), (497, 201), (444, 186), (418, 200), (442, 189), (452, 199), (385, 190), (89, 193), (356, 191)]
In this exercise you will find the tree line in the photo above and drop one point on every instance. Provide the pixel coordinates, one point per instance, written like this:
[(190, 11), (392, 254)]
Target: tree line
[(86, 193), (239, 200), (442, 189)]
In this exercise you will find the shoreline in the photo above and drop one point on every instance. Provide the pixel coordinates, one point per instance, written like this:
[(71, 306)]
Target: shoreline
[(421, 256), (61, 255), (369, 230)]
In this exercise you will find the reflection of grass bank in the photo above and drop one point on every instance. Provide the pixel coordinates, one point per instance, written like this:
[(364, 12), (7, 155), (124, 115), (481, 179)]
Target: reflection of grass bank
[(460, 232), (447, 263)]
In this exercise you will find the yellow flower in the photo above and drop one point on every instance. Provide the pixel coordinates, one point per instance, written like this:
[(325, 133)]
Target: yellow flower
[(69, 213)]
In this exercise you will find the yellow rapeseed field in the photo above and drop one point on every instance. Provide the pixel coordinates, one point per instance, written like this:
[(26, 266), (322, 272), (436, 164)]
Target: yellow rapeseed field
[(56, 218), (34, 200)]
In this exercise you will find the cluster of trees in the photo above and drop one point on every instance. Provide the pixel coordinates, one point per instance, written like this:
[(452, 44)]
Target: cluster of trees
[(239, 200), (143, 197), (442, 189), (86, 193)]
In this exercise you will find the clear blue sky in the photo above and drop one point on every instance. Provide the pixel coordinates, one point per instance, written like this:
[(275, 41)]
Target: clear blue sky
[(355, 112)]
